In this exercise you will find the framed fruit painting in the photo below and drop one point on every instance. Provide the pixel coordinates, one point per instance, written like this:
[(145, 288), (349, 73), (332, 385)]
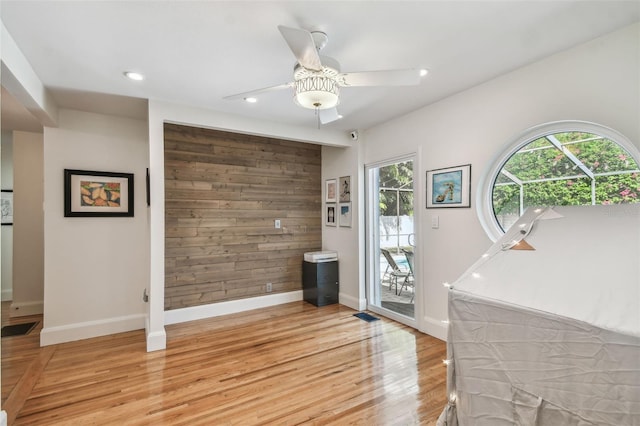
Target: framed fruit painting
[(97, 194)]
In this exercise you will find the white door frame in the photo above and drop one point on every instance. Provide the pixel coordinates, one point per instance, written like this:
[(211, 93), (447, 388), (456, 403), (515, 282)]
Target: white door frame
[(371, 244)]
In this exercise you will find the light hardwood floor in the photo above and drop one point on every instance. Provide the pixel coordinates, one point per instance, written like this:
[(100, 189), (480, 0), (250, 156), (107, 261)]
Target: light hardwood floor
[(285, 365)]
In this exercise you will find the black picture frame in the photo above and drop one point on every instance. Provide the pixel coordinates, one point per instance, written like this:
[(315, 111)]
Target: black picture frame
[(90, 193)]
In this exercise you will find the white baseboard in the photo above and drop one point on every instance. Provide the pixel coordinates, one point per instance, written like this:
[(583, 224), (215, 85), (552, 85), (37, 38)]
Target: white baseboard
[(157, 341), (7, 295), (89, 329), (177, 316), (353, 302), (435, 328), (23, 309)]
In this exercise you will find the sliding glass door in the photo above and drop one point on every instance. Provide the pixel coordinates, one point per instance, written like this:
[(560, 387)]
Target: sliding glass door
[(391, 239)]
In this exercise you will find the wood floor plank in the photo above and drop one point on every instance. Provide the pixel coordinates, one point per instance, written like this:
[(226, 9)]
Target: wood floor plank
[(283, 365), (24, 386)]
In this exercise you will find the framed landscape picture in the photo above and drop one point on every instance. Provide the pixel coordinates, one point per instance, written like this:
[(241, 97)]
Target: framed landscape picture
[(449, 187), (97, 194)]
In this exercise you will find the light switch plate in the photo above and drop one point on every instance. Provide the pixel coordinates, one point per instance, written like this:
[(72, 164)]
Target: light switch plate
[(435, 221), (277, 223)]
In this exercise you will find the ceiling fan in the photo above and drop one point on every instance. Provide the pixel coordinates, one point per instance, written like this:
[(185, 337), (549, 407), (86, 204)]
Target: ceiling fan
[(317, 78)]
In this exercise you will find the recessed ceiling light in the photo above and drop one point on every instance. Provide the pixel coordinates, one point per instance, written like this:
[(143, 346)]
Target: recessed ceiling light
[(423, 72), (251, 100), (132, 75)]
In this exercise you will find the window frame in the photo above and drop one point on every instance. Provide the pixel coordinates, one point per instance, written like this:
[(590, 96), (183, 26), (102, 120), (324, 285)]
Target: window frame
[(484, 193)]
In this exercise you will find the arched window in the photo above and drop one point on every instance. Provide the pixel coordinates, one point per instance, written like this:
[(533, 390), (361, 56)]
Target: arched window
[(559, 164)]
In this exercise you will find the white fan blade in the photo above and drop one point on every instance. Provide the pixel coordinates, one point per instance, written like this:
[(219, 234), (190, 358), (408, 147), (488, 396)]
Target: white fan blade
[(409, 77), (258, 91), (301, 44), (328, 115)]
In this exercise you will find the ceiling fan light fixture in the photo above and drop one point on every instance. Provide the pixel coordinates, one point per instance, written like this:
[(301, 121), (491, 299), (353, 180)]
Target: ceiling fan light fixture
[(318, 79), (316, 92)]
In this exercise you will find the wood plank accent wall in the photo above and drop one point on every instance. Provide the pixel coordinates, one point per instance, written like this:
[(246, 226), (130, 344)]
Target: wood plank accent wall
[(223, 192)]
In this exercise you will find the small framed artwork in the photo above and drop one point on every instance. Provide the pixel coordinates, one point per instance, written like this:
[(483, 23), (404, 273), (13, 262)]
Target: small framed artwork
[(6, 203), (331, 216), (97, 194), (345, 214), (330, 191), (450, 187), (344, 186)]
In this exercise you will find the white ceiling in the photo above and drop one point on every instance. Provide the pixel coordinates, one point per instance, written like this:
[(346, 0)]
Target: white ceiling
[(197, 52)]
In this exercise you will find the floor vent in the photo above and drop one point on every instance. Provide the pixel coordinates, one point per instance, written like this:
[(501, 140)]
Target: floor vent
[(18, 329), (366, 317)]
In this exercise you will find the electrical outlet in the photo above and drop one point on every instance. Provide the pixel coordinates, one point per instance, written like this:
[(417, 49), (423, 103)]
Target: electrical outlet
[(269, 287)]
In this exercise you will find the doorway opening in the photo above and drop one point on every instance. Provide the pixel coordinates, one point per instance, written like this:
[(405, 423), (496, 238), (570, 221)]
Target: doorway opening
[(391, 239)]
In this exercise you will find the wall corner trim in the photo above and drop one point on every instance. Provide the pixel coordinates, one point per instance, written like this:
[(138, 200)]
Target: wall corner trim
[(156, 341)]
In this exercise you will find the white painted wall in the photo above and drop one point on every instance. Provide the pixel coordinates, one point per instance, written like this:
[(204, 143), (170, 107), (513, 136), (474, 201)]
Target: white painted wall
[(6, 232), (28, 228), (596, 82), (338, 162), (95, 268)]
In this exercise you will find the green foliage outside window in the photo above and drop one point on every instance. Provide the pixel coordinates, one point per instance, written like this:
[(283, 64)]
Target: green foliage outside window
[(549, 177), (394, 177)]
